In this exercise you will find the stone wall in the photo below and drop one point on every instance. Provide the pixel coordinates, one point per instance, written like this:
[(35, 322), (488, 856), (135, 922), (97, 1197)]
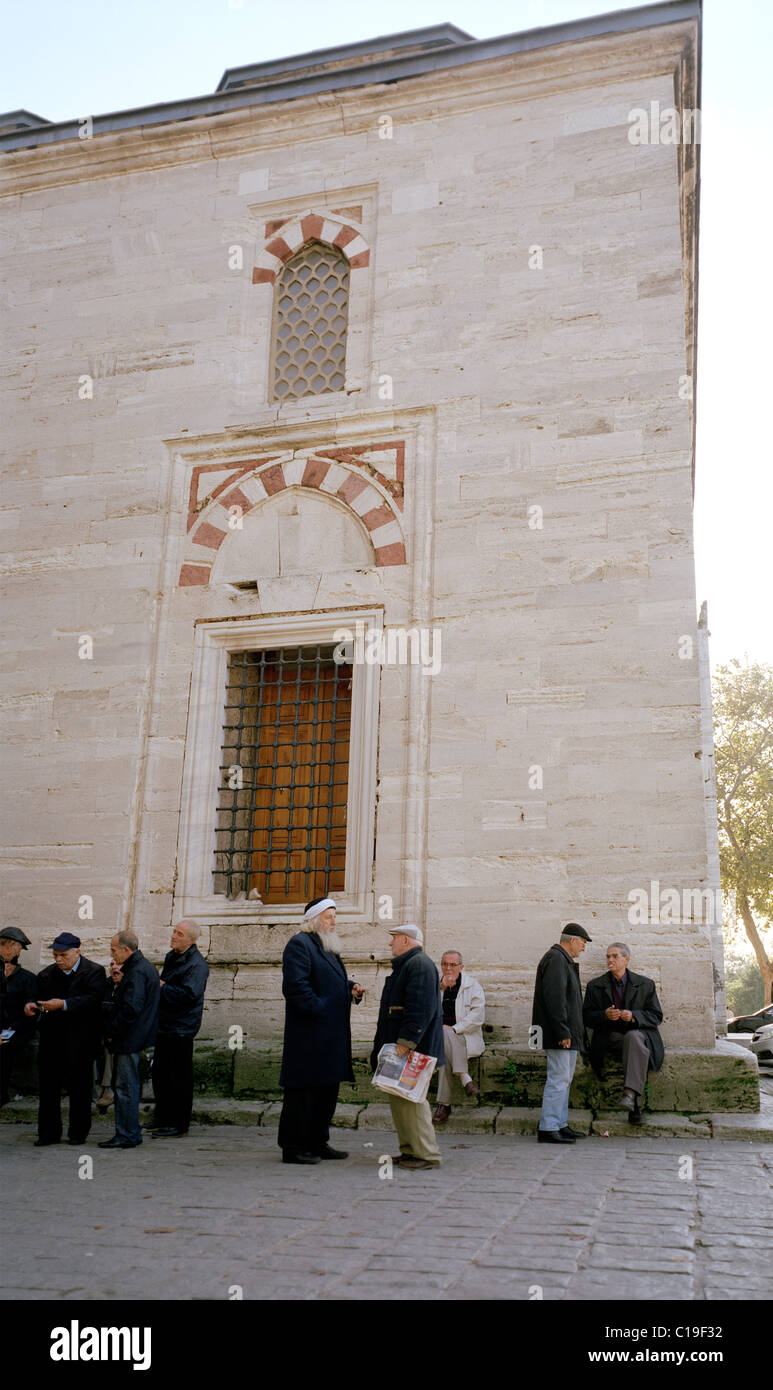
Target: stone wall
[(519, 292)]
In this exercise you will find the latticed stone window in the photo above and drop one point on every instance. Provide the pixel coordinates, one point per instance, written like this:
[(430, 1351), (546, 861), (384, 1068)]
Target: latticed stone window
[(281, 819), (310, 328)]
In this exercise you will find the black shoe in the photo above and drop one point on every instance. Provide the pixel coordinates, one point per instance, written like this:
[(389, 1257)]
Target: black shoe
[(327, 1152), (167, 1132), (301, 1158), (572, 1133), (44, 1143), (634, 1116), (77, 1143), (116, 1143), (554, 1136), (152, 1127)]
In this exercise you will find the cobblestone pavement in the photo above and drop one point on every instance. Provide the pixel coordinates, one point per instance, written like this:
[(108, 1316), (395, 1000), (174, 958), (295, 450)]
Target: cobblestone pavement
[(504, 1218)]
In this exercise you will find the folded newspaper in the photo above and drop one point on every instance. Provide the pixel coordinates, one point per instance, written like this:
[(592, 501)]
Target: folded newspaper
[(407, 1076)]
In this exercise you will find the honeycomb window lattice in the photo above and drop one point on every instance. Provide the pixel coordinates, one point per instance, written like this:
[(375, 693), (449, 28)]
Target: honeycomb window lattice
[(311, 320)]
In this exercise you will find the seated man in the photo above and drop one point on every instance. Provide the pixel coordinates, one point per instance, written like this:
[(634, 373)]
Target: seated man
[(464, 1010), (624, 1012)]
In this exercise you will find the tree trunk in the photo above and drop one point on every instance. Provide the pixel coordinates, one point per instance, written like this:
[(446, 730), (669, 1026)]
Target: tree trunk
[(765, 966)]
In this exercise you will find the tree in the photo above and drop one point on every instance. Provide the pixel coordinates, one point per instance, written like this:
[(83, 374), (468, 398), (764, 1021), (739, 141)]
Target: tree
[(743, 748)]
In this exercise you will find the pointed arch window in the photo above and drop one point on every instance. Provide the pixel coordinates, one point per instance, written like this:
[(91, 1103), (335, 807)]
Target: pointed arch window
[(312, 310)]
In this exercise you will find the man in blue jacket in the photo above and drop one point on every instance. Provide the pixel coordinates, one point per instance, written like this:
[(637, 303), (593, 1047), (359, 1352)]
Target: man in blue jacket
[(317, 1054), (129, 1019), (184, 978), (411, 1016)]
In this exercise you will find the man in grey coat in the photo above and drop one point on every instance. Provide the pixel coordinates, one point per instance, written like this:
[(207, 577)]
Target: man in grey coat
[(557, 1017)]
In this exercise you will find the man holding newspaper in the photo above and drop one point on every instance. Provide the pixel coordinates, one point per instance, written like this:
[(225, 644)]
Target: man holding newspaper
[(411, 1017)]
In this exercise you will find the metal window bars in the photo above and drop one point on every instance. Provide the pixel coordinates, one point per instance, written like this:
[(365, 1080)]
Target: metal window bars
[(281, 813), (310, 323)]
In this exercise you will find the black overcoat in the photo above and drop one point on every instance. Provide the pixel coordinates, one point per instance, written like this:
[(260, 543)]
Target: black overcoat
[(181, 1007), (318, 993), (130, 1013), (640, 996), (76, 1029), (558, 999), (18, 989), (411, 1008)]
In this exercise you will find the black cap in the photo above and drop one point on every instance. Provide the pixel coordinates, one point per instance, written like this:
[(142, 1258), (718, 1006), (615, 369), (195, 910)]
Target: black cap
[(65, 942), (15, 934), (574, 929)]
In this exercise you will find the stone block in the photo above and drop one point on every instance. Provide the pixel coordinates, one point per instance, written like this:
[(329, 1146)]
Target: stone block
[(228, 1112), (669, 1126), (346, 1116), (478, 1119), (270, 1116), (521, 1120), (256, 1071), (375, 1117), (213, 1068)]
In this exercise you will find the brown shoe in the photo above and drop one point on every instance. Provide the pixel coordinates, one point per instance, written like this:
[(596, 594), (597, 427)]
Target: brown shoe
[(408, 1161), (441, 1114), (471, 1089)]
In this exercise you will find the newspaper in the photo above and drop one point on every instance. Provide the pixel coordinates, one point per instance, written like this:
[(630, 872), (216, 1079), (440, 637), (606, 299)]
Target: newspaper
[(408, 1076)]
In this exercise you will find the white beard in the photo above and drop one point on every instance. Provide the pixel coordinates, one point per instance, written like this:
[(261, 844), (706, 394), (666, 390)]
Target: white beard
[(331, 941)]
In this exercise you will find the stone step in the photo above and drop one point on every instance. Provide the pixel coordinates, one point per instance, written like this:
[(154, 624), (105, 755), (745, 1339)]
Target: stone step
[(469, 1119)]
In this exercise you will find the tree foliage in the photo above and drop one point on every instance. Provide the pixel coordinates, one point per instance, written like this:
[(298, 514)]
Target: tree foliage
[(743, 749)]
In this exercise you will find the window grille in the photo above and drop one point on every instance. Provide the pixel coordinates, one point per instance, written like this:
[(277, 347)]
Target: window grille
[(281, 820), (311, 314)]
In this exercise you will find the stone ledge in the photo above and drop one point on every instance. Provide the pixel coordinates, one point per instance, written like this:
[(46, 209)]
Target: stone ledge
[(653, 1126), (502, 1120)]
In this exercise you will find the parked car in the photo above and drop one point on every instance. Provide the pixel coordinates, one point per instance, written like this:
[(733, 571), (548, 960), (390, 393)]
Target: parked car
[(749, 1023), (762, 1044)]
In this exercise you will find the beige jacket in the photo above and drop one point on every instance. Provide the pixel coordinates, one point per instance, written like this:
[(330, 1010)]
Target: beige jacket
[(470, 1014)]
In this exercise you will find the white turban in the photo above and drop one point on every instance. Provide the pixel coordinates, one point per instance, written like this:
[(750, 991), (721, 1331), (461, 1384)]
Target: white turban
[(317, 908)]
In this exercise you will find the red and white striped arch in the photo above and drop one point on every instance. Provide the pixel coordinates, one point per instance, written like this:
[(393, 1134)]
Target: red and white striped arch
[(375, 500)]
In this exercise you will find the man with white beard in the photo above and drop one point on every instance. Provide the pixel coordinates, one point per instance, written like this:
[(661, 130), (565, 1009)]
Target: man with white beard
[(317, 1053)]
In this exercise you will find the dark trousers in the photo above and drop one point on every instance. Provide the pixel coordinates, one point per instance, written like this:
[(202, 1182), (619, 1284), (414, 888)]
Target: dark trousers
[(304, 1124), (173, 1082), (631, 1048), (11, 1058), (71, 1071), (127, 1089)]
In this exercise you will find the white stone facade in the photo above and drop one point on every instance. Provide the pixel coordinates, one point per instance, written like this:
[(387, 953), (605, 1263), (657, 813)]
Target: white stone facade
[(521, 332)]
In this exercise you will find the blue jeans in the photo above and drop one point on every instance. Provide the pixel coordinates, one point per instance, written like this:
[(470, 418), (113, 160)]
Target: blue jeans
[(555, 1097), (126, 1088)]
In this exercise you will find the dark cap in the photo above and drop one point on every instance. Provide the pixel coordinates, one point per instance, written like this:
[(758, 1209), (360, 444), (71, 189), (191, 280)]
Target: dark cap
[(574, 929), (15, 934), (65, 942)]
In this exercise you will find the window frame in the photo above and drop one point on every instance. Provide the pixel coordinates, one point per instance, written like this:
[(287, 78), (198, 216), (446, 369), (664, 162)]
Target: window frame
[(194, 895)]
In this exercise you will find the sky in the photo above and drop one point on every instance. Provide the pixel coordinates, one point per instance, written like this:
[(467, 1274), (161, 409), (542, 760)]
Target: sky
[(63, 62)]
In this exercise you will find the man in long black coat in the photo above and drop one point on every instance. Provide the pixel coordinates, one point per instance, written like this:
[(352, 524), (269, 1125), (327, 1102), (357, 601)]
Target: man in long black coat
[(624, 1011), (411, 1016), (69, 997), (317, 1054), (184, 976)]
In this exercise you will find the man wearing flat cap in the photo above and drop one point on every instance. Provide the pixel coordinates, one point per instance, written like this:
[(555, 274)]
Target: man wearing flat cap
[(68, 1007), (317, 1053), (17, 988), (557, 1016), (411, 1016)]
